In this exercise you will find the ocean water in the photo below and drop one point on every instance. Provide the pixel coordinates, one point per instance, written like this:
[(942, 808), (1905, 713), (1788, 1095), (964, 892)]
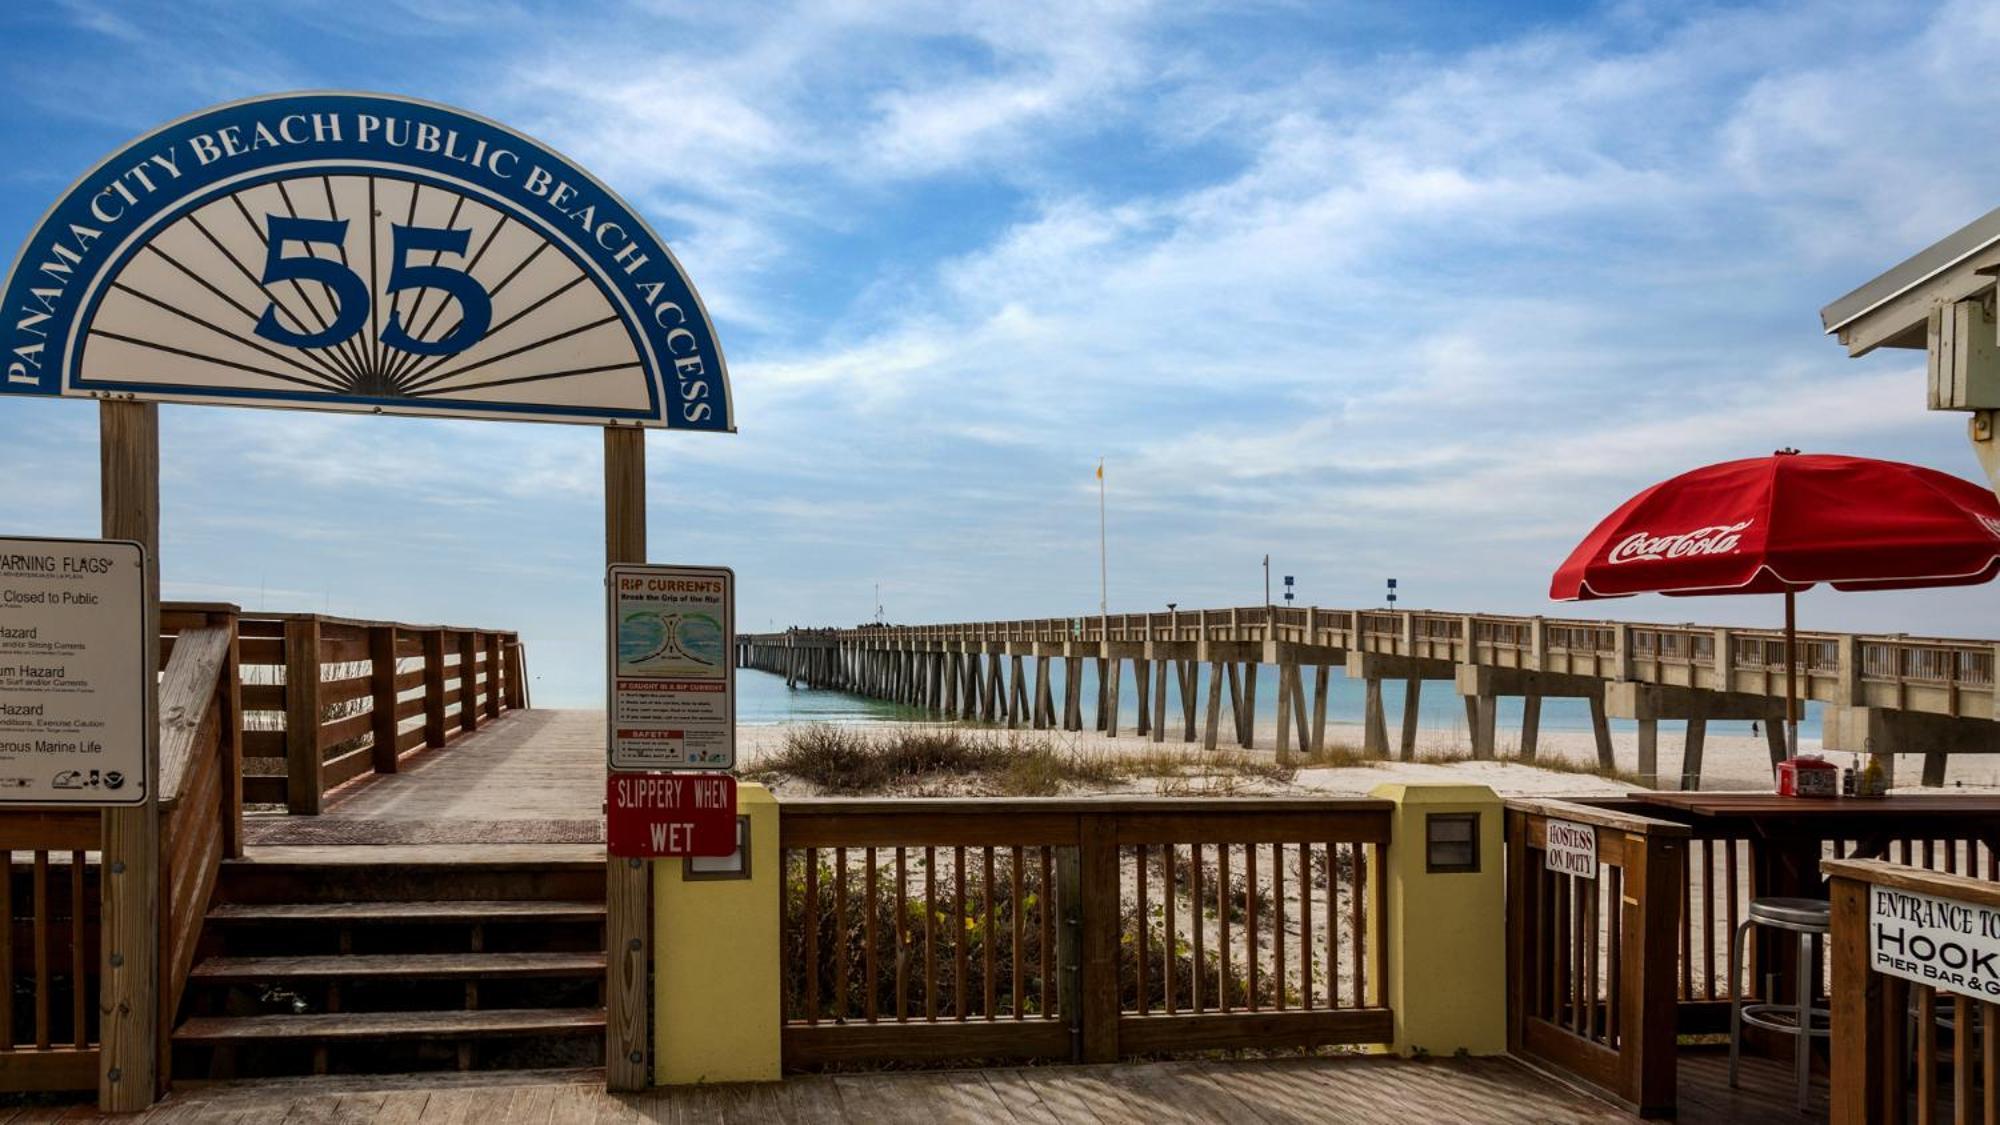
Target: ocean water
[(761, 697)]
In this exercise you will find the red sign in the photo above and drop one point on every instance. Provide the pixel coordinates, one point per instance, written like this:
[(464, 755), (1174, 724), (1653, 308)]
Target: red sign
[(663, 814)]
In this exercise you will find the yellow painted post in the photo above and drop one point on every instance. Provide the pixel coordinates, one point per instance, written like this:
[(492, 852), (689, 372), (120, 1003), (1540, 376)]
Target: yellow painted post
[(716, 1004), (1447, 942)]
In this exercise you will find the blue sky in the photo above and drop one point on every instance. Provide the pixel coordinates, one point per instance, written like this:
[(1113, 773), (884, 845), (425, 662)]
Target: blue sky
[(1418, 290)]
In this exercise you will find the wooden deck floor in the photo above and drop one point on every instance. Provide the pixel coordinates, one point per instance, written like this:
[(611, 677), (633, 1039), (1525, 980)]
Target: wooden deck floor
[(1304, 1090), (1274, 1092), (536, 779)]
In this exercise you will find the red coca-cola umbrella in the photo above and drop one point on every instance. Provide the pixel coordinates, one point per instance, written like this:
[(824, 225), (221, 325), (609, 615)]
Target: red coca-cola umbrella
[(1785, 523)]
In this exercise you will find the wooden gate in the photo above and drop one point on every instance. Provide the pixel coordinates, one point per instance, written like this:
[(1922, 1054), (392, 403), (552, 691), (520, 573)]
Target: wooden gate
[(1591, 960), (1085, 930)]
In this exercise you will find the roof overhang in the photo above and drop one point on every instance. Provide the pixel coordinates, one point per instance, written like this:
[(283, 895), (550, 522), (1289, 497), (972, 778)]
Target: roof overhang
[(1893, 310)]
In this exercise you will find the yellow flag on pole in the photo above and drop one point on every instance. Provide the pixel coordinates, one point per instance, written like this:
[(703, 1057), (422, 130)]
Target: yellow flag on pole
[(1100, 470)]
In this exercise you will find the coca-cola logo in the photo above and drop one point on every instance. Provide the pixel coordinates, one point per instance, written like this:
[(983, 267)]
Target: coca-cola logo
[(1991, 525), (1716, 539)]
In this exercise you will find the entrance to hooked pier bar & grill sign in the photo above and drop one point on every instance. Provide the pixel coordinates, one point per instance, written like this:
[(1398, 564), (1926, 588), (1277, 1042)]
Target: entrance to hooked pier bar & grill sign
[(1941, 942), (74, 672)]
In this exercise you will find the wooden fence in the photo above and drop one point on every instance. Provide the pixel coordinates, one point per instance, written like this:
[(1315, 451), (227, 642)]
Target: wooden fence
[(1905, 1051), (332, 698), (1080, 929)]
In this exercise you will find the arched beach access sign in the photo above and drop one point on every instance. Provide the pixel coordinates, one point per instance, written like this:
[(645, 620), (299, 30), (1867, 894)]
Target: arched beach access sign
[(359, 252)]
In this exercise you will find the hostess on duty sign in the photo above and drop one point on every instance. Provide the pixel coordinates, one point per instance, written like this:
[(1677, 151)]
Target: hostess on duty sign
[(359, 252)]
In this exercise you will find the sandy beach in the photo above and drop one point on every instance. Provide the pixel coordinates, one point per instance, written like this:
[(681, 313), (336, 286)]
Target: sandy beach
[(1730, 761)]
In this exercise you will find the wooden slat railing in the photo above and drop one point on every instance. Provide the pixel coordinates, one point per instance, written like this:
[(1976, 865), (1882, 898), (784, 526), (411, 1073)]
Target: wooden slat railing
[(327, 699), (49, 951), (1590, 983), (1085, 930), (1904, 1050), (1729, 860), (49, 889)]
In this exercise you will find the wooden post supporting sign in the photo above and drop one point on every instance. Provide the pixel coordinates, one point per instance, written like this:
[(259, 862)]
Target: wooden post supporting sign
[(128, 1073), (627, 892)]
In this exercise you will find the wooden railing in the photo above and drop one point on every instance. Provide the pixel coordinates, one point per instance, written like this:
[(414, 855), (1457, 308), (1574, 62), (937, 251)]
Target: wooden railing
[(48, 950), (49, 896), (1590, 986), (201, 795), (326, 699), (1084, 930), (1934, 675), (1905, 1050), (1572, 956), (364, 687)]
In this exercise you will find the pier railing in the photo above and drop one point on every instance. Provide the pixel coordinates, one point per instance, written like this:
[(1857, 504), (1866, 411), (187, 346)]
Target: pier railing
[(1086, 930), (1943, 676), (326, 699)]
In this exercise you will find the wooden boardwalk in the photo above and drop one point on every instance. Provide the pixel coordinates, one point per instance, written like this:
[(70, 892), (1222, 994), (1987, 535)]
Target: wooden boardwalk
[(528, 777), (528, 787), (1268, 1092)]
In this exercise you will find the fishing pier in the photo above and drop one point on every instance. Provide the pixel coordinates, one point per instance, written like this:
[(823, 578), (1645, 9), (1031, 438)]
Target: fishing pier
[(1882, 694)]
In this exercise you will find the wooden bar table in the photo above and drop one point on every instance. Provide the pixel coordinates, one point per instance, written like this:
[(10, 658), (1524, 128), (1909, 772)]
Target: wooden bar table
[(1788, 837), (1870, 823)]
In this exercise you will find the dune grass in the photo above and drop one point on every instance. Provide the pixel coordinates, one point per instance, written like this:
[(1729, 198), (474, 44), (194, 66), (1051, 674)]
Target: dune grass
[(852, 760), (969, 761)]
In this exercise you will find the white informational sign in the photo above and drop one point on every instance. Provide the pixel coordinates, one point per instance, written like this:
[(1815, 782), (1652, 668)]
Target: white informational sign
[(1571, 850), (672, 681), (1941, 942), (75, 666)]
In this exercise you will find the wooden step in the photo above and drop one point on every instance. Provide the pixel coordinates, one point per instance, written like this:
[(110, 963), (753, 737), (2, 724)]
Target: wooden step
[(455, 857), (397, 966), (414, 873), (483, 911), (336, 1027)]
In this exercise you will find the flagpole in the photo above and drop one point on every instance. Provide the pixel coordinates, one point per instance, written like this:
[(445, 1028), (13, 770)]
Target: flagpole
[(1103, 564)]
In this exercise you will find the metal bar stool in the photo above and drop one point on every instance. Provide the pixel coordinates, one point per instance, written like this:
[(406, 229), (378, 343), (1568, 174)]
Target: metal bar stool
[(1809, 918)]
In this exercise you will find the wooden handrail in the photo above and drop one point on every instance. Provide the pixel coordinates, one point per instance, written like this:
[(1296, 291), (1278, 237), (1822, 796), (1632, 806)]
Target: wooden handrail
[(1905, 877), (1596, 815), (461, 676), (187, 691), (201, 801)]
